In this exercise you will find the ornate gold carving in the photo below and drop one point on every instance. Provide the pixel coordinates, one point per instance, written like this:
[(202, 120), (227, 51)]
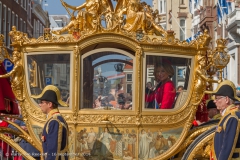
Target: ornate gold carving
[(202, 40), (139, 54), (32, 111), (116, 119), (166, 119), (47, 34), (77, 64), (15, 145), (33, 74), (20, 133), (17, 37), (17, 76), (202, 149), (139, 16)]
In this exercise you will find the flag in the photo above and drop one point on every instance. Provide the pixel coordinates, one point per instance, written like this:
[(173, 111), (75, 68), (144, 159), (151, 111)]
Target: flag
[(196, 4), (194, 37), (190, 6), (223, 8), (219, 13)]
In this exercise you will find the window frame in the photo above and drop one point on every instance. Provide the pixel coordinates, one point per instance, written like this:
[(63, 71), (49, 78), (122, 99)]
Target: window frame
[(182, 28), (71, 73), (190, 81), (114, 50)]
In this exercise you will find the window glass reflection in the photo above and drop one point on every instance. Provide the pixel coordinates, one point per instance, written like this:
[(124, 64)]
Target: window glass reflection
[(166, 81), (107, 81), (49, 69)]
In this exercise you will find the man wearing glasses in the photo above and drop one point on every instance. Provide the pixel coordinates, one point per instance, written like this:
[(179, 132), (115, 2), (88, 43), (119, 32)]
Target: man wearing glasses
[(55, 131), (226, 144)]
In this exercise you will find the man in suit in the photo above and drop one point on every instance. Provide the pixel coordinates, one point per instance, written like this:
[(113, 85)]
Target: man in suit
[(55, 131), (226, 143)]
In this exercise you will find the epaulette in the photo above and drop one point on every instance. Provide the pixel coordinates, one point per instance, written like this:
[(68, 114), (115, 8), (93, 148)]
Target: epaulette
[(54, 118), (232, 115)]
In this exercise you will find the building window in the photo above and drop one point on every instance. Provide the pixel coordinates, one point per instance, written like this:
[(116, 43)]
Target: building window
[(162, 6), (21, 25), (24, 26), (182, 29), (38, 28), (34, 28), (29, 9), (4, 21), (182, 1), (41, 32), (9, 25), (16, 22), (129, 77), (13, 18), (129, 88), (1, 18), (24, 4)]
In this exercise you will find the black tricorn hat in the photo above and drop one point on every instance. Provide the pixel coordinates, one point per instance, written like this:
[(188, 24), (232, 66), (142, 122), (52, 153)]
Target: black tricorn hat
[(211, 104), (52, 94), (225, 88)]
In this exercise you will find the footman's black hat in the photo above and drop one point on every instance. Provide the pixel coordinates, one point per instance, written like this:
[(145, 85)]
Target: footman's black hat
[(52, 94), (211, 104), (225, 88)]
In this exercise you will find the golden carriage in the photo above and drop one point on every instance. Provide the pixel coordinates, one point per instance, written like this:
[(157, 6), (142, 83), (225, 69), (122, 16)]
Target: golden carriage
[(110, 51)]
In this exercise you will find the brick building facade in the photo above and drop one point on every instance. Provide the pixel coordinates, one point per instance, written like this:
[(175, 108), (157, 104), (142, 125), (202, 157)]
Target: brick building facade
[(27, 15)]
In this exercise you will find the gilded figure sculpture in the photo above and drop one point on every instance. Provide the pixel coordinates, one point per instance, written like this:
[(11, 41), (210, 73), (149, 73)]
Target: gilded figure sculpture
[(17, 37), (129, 15), (139, 16), (33, 77), (17, 76), (201, 78), (86, 19)]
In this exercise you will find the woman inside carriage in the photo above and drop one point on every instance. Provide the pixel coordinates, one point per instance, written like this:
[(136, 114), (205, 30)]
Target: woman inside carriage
[(163, 95)]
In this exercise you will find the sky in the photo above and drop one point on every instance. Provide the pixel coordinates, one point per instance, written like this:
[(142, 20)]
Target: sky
[(54, 7)]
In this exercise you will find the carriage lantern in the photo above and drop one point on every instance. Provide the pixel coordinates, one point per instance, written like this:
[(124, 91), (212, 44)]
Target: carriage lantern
[(220, 56), (119, 67)]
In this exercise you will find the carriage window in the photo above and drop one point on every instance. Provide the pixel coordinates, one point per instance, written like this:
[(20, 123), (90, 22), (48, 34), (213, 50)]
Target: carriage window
[(49, 69), (107, 81), (166, 81)]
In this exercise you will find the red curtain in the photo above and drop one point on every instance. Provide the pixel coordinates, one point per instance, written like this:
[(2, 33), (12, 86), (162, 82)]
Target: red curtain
[(8, 102)]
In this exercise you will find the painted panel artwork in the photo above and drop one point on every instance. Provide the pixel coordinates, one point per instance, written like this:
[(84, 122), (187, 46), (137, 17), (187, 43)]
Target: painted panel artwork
[(121, 144), (106, 143), (154, 142)]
